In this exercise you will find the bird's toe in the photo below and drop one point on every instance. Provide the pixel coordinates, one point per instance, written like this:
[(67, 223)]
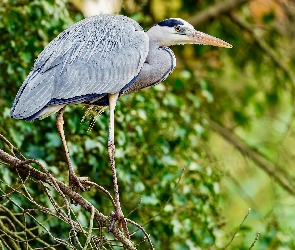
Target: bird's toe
[(76, 183)]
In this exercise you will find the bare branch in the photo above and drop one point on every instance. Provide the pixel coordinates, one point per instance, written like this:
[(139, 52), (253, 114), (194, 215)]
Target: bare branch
[(25, 169), (214, 11), (261, 162)]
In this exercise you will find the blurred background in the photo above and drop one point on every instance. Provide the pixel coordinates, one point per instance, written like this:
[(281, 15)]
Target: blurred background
[(198, 150)]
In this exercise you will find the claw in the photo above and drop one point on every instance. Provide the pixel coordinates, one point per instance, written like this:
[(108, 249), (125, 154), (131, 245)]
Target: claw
[(120, 218), (114, 219), (121, 222), (76, 182)]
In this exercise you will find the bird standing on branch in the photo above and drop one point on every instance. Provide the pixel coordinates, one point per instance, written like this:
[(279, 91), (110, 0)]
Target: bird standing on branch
[(96, 61)]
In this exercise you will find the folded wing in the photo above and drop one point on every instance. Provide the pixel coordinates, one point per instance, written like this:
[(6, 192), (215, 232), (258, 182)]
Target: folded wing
[(94, 57)]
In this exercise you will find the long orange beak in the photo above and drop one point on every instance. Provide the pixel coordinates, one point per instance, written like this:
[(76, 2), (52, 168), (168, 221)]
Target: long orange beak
[(199, 37)]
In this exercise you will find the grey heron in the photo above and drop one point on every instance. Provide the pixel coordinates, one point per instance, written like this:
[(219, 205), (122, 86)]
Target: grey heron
[(96, 61)]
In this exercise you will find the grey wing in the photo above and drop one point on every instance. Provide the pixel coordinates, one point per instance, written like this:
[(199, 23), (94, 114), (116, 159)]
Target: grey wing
[(94, 57)]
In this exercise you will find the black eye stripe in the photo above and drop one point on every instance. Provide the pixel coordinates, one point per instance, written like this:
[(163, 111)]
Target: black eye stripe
[(170, 23)]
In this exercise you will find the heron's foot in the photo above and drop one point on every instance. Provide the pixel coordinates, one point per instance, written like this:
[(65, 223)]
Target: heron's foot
[(76, 183), (119, 216)]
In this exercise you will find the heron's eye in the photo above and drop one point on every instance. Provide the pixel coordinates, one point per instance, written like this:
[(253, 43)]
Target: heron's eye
[(177, 28)]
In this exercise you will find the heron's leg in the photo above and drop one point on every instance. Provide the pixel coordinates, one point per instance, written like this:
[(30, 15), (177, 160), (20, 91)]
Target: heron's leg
[(74, 181), (111, 149)]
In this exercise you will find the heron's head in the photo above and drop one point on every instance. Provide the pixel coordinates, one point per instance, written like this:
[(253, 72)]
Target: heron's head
[(174, 31)]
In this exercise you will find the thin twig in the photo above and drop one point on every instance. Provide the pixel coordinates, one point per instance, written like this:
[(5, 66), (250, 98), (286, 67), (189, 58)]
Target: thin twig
[(90, 229), (255, 240), (236, 232), (12, 148), (134, 209), (144, 232), (90, 183)]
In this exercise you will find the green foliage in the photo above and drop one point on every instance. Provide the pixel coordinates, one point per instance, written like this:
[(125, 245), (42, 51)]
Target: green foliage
[(163, 130)]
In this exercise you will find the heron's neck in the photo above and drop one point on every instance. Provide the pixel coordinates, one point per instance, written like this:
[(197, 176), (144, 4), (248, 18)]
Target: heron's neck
[(157, 37), (159, 63)]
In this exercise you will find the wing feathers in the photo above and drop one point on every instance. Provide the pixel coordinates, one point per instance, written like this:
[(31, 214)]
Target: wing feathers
[(97, 55)]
